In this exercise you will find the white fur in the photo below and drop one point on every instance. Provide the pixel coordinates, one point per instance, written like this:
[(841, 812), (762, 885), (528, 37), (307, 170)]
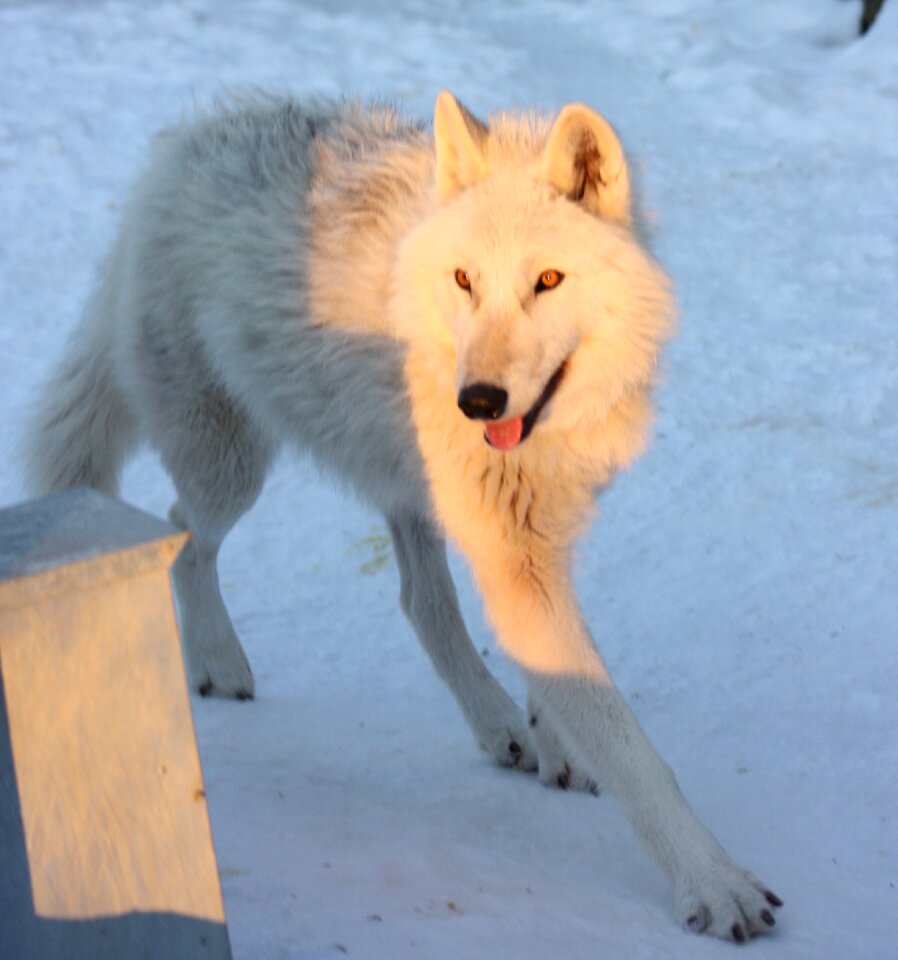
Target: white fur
[(287, 273)]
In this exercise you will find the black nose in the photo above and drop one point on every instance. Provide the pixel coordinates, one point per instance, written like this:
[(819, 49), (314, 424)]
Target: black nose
[(482, 401)]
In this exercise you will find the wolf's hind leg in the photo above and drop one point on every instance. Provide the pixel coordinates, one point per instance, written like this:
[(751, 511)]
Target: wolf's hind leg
[(218, 467), (216, 663), (430, 602)]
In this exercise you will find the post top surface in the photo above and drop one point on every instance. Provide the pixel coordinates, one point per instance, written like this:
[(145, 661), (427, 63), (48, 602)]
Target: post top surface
[(71, 527)]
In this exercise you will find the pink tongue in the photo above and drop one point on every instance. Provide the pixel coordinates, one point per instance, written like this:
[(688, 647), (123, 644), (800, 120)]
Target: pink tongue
[(505, 434)]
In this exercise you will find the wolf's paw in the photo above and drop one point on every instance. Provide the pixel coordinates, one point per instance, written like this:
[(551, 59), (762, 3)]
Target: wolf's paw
[(566, 777), (555, 769), (512, 747), (231, 680), (501, 729), (725, 901)]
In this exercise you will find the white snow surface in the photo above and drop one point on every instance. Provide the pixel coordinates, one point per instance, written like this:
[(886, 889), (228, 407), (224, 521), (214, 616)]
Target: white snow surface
[(742, 579)]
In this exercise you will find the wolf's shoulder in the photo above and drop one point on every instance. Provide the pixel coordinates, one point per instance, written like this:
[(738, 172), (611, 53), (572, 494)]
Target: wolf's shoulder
[(259, 122), (249, 137), (257, 140)]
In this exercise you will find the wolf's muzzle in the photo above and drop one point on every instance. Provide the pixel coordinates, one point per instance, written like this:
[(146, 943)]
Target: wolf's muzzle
[(482, 401)]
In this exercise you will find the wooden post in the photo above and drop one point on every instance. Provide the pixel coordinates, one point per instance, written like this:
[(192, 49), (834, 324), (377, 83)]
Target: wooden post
[(105, 847)]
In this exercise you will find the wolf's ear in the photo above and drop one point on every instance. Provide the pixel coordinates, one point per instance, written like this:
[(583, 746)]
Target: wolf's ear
[(585, 160), (460, 140)]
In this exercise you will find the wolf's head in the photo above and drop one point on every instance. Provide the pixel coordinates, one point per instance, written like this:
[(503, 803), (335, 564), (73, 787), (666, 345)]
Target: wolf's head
[(529, 273)]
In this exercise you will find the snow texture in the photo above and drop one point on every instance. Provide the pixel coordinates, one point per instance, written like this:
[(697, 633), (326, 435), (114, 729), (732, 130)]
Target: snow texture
[(742, 579)]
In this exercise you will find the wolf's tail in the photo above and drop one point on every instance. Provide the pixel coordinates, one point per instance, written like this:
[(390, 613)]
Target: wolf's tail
[(81, 430)]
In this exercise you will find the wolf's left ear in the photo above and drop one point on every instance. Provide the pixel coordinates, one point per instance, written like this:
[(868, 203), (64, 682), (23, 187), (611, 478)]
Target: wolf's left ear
[(460, 140), (585, 160)]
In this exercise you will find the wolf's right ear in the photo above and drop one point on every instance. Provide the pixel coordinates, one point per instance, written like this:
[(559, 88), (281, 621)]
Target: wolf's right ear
[(460, 140), (585, 160)]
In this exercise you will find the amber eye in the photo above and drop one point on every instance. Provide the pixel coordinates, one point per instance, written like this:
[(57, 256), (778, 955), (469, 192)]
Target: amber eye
[(463, 279), (548, 280)]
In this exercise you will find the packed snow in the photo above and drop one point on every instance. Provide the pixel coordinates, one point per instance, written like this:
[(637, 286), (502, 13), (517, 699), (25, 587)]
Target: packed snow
[(742, 578)]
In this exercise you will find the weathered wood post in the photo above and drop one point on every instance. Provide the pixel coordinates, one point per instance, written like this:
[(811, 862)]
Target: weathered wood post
[(105, 846)]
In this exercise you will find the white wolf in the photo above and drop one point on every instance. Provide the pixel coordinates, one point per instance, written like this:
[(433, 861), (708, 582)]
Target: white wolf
[(462, 324)]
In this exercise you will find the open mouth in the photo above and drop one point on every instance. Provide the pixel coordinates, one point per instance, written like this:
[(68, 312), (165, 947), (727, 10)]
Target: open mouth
[(507, 434)]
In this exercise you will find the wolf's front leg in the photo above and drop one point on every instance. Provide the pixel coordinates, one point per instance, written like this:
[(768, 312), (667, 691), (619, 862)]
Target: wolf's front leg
[(558, 768), (540, 626), (430, 602)]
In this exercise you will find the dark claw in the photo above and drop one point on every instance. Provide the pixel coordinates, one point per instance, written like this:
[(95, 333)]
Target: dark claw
[(768, 918), (533, 720), (593, 788), (738, 933), (698, 922), (205, 688), (244, 695), (772, 899), (563, 780), (514, 748)]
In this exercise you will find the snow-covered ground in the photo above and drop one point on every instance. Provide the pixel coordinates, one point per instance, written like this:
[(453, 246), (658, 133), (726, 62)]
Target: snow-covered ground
[(743, 577)]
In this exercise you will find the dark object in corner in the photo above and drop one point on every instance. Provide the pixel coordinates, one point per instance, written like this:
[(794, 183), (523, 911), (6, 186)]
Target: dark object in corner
[(871, 10)]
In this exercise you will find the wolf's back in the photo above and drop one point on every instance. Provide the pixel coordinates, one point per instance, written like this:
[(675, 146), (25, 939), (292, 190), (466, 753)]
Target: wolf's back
[(205, 295)]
